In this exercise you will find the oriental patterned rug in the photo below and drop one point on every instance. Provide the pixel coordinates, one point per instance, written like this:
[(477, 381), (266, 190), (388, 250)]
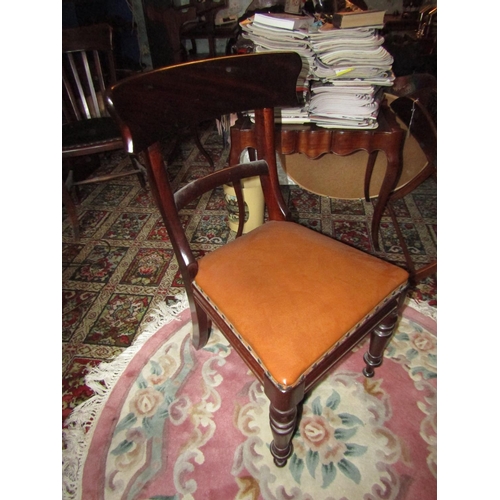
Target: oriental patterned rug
[(123, 266), (170, 422)]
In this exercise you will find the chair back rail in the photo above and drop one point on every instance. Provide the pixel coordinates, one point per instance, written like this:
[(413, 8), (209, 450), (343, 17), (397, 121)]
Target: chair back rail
[(198, 91), (85, 74), (416, 111), (189, 94)]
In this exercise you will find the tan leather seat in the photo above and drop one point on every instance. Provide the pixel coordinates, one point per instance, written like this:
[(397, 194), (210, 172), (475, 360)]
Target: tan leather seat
[(266, 300)]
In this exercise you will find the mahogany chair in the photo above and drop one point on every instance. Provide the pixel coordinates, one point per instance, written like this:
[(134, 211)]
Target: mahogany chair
[(87, 69), (252, 288), (418, 111)]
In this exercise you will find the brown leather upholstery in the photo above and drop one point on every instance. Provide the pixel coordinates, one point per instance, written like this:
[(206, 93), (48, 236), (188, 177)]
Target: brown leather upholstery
[(256, 280)]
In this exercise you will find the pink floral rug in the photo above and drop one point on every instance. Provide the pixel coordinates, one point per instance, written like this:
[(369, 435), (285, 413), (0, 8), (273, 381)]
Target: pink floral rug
[(169, 422)]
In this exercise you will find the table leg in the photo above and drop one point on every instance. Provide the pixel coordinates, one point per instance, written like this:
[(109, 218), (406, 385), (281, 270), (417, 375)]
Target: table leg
[(241, 140), (372, 158), (235, 149), (199, 145), (392, 174)]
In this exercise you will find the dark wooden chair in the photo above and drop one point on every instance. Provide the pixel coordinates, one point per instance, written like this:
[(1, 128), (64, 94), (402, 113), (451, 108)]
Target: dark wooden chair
[(408, 84), (204, 27), (253, 287), (417, 109), (87, 69)]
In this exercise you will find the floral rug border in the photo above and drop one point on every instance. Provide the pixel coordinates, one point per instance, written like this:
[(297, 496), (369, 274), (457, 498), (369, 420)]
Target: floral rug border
[(78, 433)]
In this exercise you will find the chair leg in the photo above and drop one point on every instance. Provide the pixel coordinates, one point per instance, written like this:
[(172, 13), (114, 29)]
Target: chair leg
[(380, 337), (194, 49), (283, 414), (141, 174), (211, 46), (202, 325), (229, 46), (71, 209), (425, 272), (199, 145), (283, 424), (399, 233)]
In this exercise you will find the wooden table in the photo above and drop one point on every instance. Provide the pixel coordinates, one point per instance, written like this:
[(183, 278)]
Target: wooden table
[(314, 141)]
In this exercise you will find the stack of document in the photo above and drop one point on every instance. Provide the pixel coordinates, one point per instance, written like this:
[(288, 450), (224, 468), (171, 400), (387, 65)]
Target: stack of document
[(334, 104), (351, 53), (351, 67), (344, 71)]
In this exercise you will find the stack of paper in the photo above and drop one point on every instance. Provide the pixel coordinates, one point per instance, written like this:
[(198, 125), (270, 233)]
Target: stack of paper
[(335, 105), (283, 20), (344, 71), (351, 53), (352, 66)]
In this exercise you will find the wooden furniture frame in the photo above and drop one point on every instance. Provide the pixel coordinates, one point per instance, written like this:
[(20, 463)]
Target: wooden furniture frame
[(88, 67), (314, 141), (248, 287), (416, 110), (204, 27)]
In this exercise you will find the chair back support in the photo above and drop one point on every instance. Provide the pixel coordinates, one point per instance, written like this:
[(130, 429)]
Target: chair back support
[(88, 68), (418, 111), (150, 106), (408, 84), (182, 95)]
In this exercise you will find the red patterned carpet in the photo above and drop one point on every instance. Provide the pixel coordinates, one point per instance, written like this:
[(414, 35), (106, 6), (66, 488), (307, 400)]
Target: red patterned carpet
[(123, 265)]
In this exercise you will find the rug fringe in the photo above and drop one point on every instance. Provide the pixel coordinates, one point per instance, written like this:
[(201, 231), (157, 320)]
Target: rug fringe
[(102, 379)]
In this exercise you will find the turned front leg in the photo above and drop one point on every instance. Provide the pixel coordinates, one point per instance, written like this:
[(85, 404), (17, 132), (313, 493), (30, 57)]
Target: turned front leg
[(380, 338), (283, 411), (283, 424)]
